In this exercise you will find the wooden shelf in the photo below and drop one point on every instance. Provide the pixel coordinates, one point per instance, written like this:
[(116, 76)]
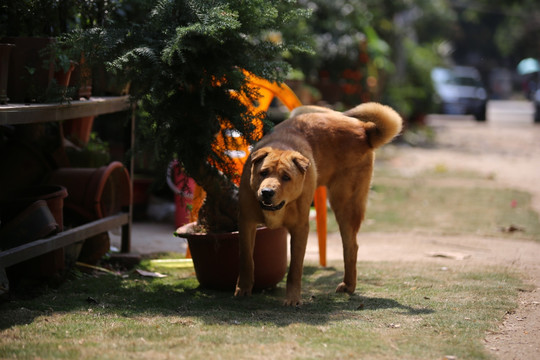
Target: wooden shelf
[(78, 234), (16, 114), (12, 114)]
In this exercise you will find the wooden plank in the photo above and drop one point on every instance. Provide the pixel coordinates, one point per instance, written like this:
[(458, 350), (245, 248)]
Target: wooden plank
[(35, 113), (27, 251), (126, 229)]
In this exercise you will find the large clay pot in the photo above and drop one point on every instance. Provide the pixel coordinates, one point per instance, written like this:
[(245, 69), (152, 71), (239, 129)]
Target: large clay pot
[(95, 193), (216, 257)]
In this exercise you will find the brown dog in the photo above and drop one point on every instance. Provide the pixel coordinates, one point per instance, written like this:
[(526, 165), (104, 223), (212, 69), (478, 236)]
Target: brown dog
[(315, 146)]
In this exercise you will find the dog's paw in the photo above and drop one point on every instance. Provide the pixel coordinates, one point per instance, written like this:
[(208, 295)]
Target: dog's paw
[(344, 288), (240, 292), (292, 302)]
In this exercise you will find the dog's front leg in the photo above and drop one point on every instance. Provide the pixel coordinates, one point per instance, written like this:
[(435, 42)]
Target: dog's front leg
[(299, 236), (244, 285)]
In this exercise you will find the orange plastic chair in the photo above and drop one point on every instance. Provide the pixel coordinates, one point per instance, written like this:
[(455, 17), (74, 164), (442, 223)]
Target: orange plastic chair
[(237, 148)]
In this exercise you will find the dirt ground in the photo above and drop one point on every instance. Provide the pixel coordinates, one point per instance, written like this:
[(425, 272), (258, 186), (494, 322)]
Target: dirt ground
[(509, 152)]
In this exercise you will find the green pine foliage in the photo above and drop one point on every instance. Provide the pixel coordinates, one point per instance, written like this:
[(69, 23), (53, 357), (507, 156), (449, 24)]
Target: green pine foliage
[(183, 59)]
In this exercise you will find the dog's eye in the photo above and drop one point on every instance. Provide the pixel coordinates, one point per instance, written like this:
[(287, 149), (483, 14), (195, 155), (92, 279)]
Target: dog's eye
[(264, 173), (285, 177)]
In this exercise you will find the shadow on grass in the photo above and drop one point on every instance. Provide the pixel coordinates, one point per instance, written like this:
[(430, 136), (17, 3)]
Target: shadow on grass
[(327, 282), (180, 295)]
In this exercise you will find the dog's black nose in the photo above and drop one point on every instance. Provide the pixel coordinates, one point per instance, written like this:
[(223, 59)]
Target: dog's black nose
[(267, 194)]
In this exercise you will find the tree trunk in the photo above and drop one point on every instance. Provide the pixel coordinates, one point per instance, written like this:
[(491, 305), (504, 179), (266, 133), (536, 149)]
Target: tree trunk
[(219, 212)]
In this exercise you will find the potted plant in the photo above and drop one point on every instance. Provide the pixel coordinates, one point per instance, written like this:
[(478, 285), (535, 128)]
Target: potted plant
[(32, 27), (183, 62)]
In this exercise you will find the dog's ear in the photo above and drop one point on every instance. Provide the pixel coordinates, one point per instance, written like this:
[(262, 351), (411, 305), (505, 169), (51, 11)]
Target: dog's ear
[(301, 162), (259, 155)]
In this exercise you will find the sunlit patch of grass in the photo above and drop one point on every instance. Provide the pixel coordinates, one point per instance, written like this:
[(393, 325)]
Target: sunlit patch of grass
[(447, 203)]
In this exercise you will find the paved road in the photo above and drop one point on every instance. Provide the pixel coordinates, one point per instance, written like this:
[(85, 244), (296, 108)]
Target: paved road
[(510, 112)]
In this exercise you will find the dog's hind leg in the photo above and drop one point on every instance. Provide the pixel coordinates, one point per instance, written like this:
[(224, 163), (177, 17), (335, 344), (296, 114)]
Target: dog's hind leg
[(348, 200)]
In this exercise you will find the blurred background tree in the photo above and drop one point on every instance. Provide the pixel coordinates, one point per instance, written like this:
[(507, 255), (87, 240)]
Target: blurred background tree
[(386, 48), (376, 50)]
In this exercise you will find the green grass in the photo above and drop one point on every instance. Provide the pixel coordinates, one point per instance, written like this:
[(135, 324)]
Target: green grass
[(448, 204), (400, 311), (405, 311)]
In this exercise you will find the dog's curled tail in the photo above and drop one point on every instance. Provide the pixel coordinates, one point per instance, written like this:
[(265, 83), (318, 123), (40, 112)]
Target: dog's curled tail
[(386, 122)]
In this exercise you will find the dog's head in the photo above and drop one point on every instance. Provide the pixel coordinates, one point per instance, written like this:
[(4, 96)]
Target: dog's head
[(277, 176)]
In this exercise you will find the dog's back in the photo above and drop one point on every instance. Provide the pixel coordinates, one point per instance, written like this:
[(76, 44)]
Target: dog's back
[(380, 122), (369, 124), (332, 137)]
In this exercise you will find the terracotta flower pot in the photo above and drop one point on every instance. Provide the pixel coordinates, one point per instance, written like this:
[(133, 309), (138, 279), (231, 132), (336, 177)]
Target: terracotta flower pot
[(62, 76), (82, 79), (52, 262), (216, 259), (33, 223), (54, 196), (95, 193), (78, 130)]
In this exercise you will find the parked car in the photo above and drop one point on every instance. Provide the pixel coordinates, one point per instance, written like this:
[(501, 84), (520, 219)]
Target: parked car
[(459, 90)]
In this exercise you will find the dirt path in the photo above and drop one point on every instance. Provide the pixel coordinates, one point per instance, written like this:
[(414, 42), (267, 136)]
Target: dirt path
[(510, 153)]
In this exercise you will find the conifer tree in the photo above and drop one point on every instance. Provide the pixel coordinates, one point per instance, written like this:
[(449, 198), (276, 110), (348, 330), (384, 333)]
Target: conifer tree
[(183, 59)]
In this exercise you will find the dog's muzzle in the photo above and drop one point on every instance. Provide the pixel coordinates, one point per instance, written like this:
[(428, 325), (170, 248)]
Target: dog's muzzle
[(267, 203)]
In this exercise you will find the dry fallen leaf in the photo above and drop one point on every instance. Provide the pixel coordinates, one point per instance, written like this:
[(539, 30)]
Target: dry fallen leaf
[(150, 274), (512, 229)]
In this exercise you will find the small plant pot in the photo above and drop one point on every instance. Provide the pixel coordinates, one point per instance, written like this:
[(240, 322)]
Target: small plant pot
[(52, 262), (216, 257), (79, 130), (53, 195), (33, 223), (62, 76)]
